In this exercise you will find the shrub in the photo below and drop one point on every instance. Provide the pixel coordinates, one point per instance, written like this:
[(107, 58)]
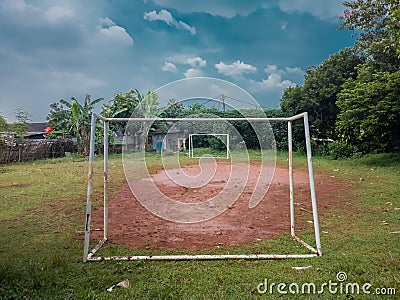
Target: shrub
[(337, 149)]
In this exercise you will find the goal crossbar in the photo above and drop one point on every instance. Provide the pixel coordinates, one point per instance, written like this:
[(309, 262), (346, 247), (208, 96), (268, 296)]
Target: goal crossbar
[(89, 255)]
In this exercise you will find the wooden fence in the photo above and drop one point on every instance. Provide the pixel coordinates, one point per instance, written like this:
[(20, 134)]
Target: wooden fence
[(13, 150)]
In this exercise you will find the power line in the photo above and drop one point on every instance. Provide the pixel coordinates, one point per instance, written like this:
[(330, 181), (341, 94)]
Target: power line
[(242, 101)]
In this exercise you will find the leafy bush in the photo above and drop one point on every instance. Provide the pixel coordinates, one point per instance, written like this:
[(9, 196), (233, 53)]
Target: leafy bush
[(337, 149)]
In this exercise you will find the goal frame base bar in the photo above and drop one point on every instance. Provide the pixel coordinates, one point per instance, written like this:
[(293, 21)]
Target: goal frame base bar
[(93, 258), (90, 256)]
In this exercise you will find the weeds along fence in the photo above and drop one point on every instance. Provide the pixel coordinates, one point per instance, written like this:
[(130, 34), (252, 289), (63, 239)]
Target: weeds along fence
[(13, 150)]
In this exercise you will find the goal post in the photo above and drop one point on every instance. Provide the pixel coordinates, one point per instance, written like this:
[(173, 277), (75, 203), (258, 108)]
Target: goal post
[(191, 147), (89, 255)]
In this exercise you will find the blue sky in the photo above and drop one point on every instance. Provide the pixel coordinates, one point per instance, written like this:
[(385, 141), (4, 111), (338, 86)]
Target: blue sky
[(53, 49)]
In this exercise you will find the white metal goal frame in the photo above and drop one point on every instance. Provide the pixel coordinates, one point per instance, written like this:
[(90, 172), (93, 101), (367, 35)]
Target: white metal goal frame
[(89, 255), (191, 155)]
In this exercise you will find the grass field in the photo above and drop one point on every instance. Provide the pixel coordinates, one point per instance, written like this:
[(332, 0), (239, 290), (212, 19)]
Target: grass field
[(42, 206)]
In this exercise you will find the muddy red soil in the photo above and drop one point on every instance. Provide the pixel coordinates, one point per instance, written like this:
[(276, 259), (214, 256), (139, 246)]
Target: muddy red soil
[(132, 224)]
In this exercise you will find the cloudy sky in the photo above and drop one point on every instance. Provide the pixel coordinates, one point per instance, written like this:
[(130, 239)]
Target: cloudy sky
[(53, 49)]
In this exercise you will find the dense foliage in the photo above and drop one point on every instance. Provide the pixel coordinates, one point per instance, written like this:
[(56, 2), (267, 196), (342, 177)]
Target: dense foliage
[(370, 112), (121, 106), (3, 124), (73, 119), (318, 95), (353, 96), (377, 23)]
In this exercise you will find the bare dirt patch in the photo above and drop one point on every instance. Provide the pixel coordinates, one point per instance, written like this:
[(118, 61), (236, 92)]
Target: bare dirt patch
[(131, 224)]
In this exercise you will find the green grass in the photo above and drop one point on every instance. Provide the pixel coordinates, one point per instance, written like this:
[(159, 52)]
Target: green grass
[(42, 207)]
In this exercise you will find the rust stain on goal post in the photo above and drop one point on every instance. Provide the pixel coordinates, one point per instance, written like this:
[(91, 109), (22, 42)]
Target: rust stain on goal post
[(291, 186), (105, 174), (90, 256), (202, 257), (89, 187)]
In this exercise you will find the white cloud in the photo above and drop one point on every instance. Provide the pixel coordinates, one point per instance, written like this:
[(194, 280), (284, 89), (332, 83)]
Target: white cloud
[(196, 62), (272, 87), (237, 68), (223, 8), (75, 80), (295, 70), (56, 13), (271, 69), (113, 33), (193, 61), (287, 71), (185, 26), (193, 73), (106, 22), (24, 14), (169, 67), (163, 15), (14, 5), (326, 9), (166, 16), (275, 81)]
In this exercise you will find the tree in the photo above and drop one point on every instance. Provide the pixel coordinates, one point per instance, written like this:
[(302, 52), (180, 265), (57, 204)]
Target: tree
[(377, 23), (370, 112), (60, 119), (20, 126), (291, 99), (3, 124), (121, 106), (173, 109), (147, 108), (369, 104), (78, 117), (394, 26), (318, 95)]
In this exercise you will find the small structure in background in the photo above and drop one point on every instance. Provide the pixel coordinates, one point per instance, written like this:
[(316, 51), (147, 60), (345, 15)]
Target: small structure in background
[(33, 145), (171, 140), (37, 131), (157, 141)]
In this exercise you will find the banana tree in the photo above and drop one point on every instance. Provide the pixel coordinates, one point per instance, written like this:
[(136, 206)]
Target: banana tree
[(147, 108), (81, 120), (121, 106)]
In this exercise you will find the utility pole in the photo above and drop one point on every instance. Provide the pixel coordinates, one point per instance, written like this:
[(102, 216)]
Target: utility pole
[(223, 101)]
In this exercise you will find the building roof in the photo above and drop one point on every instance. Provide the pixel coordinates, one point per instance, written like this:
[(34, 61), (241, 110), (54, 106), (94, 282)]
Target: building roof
[(36, 127)]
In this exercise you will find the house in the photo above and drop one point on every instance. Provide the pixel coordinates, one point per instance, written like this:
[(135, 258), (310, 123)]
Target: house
[(36, 131), (122, 142), (157, 141), (161, 140)]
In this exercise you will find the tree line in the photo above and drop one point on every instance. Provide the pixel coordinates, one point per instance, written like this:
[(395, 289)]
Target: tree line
[(72, 119)]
